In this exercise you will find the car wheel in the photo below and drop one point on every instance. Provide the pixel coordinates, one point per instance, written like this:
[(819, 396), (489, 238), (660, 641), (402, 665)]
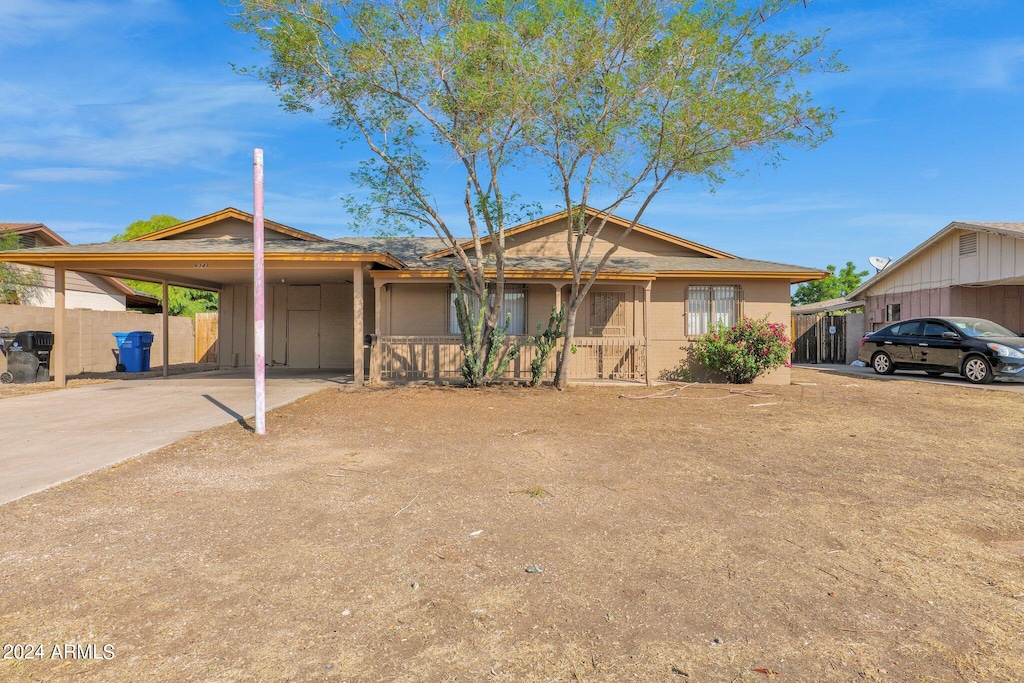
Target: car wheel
[(934, 373), (6, 378), (882, 363), (977, 370)]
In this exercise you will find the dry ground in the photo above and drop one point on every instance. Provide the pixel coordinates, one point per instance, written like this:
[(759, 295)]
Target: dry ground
[(848, 530)]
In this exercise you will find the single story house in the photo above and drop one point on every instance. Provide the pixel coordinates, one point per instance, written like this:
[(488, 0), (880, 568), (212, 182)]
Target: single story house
[(656, 296), (968, 268), (95, 292)]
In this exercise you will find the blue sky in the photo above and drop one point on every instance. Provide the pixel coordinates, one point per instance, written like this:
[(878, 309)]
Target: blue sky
[(113, 110)]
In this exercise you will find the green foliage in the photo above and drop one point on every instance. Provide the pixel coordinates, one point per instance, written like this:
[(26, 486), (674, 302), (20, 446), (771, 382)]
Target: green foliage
[(144, 227), (15, 281), (546, 339), (619, 100), (744, 351), (181, 301), (834, 286), (481, 363)]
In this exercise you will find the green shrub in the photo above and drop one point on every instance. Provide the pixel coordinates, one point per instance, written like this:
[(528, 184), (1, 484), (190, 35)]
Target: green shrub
[(744, 351)]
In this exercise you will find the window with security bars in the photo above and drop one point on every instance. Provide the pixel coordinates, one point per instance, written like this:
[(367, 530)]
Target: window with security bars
[(514, 304), (710, 305), (607, 315)]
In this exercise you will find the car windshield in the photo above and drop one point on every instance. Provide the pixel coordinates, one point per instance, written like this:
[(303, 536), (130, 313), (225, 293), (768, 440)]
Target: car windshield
[(976, 327)]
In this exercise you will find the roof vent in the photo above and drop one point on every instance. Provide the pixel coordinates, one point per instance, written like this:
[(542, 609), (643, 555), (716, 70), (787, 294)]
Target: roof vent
[(27, 242), (969, 244)]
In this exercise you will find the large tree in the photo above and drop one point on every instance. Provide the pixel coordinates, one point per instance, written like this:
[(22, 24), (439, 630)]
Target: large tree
[(181, 301), (636, 96), (398, 76), (835, 286), (616, 100)]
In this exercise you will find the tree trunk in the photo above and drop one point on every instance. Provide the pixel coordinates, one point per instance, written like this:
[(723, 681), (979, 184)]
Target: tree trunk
[(562, 371)]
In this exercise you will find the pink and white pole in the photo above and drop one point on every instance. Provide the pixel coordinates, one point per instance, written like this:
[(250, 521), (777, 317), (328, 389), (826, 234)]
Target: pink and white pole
[(259, 306)]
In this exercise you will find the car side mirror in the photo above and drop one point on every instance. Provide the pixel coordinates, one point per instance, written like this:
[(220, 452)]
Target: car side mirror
[(950, 335)]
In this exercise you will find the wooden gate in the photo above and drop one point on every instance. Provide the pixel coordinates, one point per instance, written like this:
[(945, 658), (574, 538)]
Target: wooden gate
[(819, 339), (206, 337)]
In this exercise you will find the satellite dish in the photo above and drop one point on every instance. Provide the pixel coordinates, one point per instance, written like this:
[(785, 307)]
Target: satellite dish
[(879, 262)]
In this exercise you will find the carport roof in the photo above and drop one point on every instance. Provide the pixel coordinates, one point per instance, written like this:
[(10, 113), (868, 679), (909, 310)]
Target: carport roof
[(204, 263)]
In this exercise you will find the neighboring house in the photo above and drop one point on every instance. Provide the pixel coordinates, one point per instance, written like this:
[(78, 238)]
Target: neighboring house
[(84, 290), (967, 269), (656, 296)]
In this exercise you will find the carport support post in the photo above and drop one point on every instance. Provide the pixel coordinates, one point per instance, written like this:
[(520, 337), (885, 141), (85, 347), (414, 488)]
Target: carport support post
[(58, 354), (259, 303), (166, 322), (357, 325)]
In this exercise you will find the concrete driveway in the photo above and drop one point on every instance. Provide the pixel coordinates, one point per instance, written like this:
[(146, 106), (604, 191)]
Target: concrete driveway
[(51, 437), (1015, 386)]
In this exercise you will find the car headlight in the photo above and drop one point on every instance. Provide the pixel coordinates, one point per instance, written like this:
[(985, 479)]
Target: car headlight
[(1006, 351)]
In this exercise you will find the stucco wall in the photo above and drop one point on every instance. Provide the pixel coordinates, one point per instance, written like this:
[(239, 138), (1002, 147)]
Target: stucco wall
[(670, 345), (334, 303), (411, 308), (90, 335)]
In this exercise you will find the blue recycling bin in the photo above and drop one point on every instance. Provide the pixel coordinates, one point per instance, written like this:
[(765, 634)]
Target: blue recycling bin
[(135, 351)]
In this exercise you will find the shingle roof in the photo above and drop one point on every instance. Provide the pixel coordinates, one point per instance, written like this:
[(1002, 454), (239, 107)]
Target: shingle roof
[(410, 251)]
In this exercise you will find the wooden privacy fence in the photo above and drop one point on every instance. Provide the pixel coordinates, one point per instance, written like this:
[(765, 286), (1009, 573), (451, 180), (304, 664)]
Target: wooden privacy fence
[(819, 339), (206, 338), (399, 358)]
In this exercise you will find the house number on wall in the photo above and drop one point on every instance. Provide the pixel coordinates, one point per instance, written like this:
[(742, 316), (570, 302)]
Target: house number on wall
[(201, 265)]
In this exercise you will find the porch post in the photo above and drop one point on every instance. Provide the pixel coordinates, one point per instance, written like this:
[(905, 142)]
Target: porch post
[(58, 354), (558, 295), (166, 321), (647, 333), (357, 324), (375, 350)]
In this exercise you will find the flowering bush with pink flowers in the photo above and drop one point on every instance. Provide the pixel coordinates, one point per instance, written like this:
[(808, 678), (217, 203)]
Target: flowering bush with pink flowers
[(744, 351)]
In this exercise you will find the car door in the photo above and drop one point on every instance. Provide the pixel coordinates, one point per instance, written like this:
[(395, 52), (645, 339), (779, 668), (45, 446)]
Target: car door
[(936, 350), (901, 345)]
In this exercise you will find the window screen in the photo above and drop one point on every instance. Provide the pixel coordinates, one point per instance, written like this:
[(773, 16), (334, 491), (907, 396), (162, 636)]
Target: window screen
[(710, 305), (514, 303)]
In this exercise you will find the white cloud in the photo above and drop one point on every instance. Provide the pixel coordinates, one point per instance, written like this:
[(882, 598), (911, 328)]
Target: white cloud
[(69, 175), (9, 187), (32, 22)]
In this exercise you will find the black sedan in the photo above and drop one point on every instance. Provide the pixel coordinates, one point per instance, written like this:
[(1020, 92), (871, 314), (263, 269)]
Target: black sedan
[(978, 349)]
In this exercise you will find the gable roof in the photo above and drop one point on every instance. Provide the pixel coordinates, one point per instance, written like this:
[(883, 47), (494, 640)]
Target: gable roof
[(57, 240), (594, 213), (28, 228), (223, 214), (1015, 230)]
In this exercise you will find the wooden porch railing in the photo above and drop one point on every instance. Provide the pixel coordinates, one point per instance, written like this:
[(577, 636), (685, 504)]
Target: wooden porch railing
[(398, 358)]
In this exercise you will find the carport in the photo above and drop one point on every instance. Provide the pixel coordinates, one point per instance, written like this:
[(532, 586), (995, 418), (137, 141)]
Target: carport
[(215, 253)]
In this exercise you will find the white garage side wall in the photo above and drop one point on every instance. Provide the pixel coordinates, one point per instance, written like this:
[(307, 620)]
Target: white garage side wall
[(90, 335), (91, 300), (82, 291)]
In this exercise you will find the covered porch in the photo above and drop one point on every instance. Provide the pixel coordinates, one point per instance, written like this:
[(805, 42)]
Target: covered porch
[(416, 337)]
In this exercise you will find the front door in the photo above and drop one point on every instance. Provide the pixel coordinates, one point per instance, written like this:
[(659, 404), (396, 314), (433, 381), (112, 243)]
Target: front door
[(304, 339)]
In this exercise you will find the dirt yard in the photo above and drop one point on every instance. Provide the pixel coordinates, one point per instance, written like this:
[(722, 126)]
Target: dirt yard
[(837, 530)]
